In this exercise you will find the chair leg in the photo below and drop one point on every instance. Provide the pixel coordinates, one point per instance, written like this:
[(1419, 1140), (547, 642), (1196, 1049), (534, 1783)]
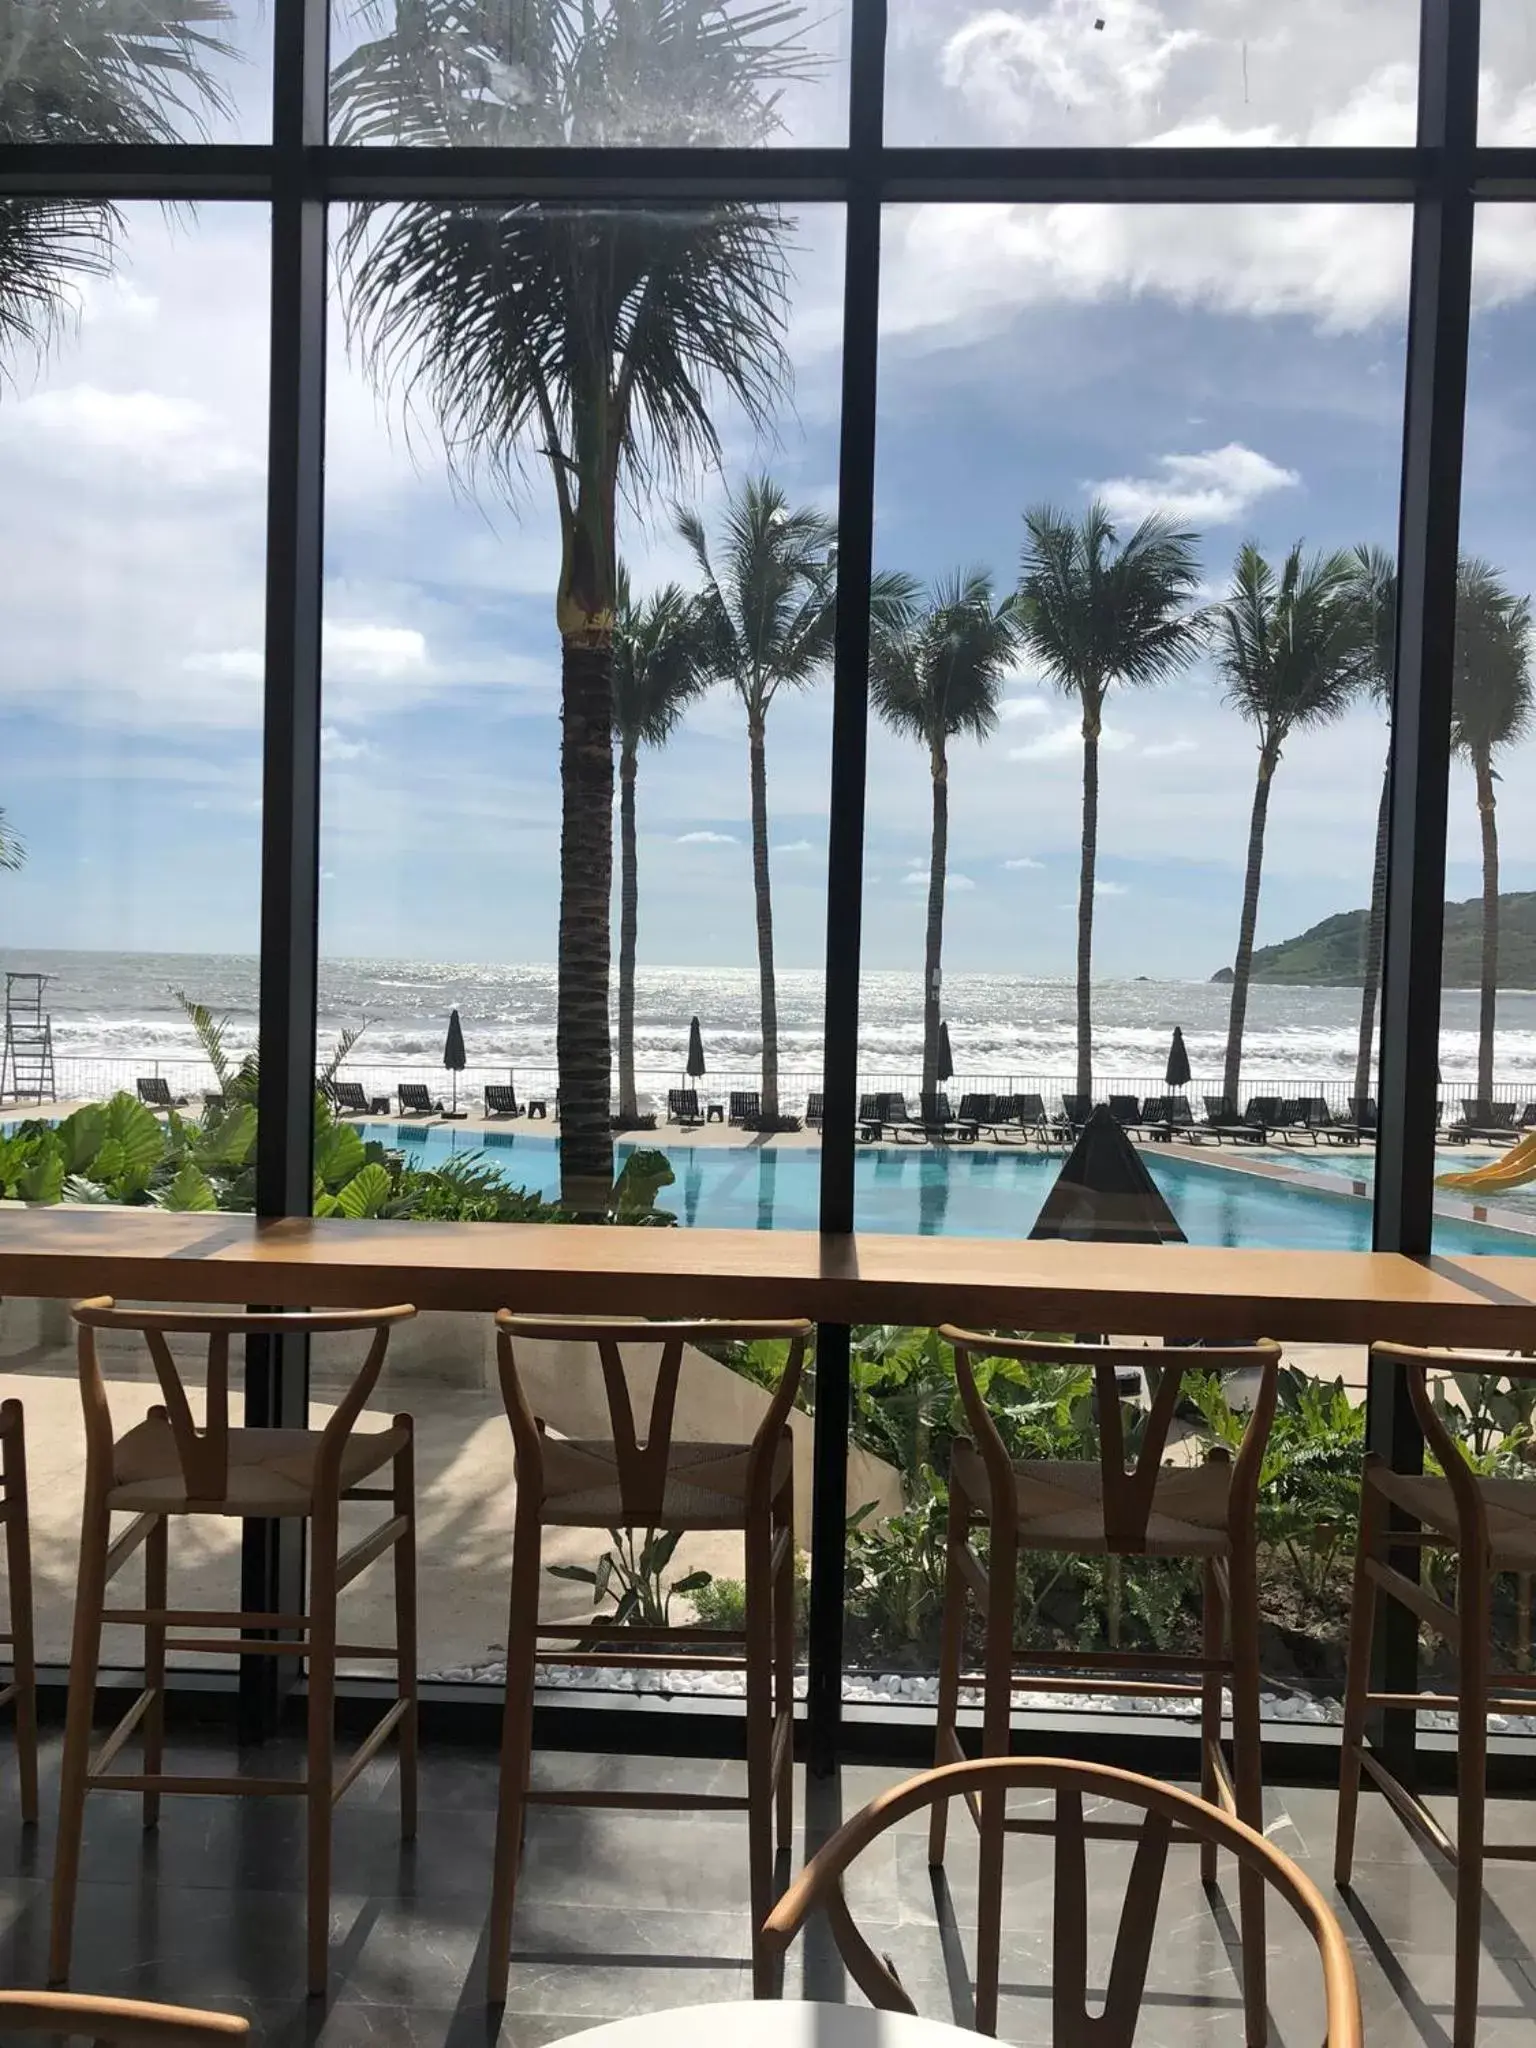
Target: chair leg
[(84, 1657), (996, 1723), (1357, 1674), (516, 1748), (1472, 1606), (1248, 1779), (951, 1655), (784, 1660), (1212, 1646), (406, 1660), (18, 1570), (759, 1660), (156, 1597), (320, 1770)]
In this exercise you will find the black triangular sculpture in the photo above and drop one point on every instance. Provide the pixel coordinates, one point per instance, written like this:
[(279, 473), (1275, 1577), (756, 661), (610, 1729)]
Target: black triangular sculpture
[(1105, 1195)]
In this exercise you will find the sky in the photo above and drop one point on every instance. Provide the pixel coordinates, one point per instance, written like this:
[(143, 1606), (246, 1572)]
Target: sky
[(1240, 368)]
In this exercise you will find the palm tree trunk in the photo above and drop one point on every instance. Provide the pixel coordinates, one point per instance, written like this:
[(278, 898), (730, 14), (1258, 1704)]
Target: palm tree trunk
[(1488, 994), (582, 1044), (1242, 966), (933, 951), (1091, 717), (629, 918), (1375, 934), (762, 891)]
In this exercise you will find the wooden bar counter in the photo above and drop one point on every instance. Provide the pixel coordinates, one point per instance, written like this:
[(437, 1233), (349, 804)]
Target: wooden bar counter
[(1134, 1290)]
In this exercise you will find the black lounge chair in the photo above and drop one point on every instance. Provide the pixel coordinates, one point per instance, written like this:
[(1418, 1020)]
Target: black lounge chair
[(683, 1107), (214, 1100), (1028, 1112), (869, 1116), (1305, 1116), (1223, 1121), (348, 1098), (815, 1110), (1076, 1110), (415, 1101), (745, 1109), (154, 1093), (1178, 1121), (938, 1120), (1126, 1111), (501, 1100), (977, 1109), (895, 1117), (1494, 1122), (1527, 1118), (1361, 1123)]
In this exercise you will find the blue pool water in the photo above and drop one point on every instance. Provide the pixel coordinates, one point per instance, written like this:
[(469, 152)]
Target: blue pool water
[(961, 1192)]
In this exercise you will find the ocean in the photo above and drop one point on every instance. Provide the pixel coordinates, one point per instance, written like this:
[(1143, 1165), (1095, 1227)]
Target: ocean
[(118, 1007)]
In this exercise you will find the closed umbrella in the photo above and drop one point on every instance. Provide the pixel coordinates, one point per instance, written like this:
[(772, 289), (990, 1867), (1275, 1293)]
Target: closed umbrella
[(695, 1067), (946, 1066), (453, 1057), (1105, 1195), (1176, 1075)]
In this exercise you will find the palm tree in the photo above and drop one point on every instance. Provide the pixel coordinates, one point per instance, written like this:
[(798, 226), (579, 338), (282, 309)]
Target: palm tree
[(1375, 578), (86, 71), (1094, 613), (13, 848), (934, 676), (1491, 708), (1293, 652), (589, 337), (655, 673), (766, 623)]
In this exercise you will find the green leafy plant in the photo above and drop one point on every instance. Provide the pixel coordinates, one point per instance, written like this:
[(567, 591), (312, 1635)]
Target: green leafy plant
[(633, 1576)]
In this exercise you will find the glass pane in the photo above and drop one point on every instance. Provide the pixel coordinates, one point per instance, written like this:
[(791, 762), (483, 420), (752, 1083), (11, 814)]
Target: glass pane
[(1189, 72), (132, 521), (703, 74), (97, 71), (1217, 424), (1487, 1197), (1507, 76), (445, 676)]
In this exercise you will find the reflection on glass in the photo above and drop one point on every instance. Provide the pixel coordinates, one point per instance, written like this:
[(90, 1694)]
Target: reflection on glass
[(1175, 72), (1487, 1155), (620, 73), (156, 71)]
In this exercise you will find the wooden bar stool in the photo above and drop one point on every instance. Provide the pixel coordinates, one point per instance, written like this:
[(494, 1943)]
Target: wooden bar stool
[(166, 1466), (658, 1483), (115, 2022), (14, 1513), (1490, 1523), (1206, 1512)]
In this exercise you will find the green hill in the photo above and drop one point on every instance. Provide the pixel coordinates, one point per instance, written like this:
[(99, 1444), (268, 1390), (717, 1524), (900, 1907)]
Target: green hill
[(1332, 954)]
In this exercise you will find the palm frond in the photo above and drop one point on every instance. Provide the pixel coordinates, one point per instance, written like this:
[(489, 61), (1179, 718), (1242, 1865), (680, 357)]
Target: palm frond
[(210, 1032), (1492, 699), (1375, 583), (1294, 649), (940, 672), (659, 664), (1094, 611), (13, 848), (341, 1052)]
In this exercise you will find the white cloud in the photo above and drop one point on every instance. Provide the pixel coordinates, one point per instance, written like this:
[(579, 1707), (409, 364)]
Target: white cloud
[(1164, 750), (355, 647), (1014, 708), (796, 846), (1007, 63), (1024, 861), (335, 746), (1110, 889), (1063, 740), (918, 878), (707, 839), (1216, 488), (185, 441)]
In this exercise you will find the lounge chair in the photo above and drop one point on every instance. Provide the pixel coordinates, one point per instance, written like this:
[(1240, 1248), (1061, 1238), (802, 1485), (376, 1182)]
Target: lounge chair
[(1151, 1117), (1527, 1118), (1076, 1110), (939, 1120), (1361, 1123), (683, 1107), (745, 1109), (894, 1116), (815, 1111), (348, 1098), (1178, 1121), (1126, 1111), (154, 1093), (500, 1100), (977, 1109), (214, 1100), (1223, 1121), (415, 1101), (1494, 1122), (869, 1117), (1028, 1112), (1305, 1116)]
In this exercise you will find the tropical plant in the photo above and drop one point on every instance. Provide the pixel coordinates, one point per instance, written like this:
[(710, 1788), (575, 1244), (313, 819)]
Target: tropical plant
[(656, 673), (633, 1576), (766, 622), (589, 337), (13, 848), (1375, 580), (935, 675), (1492, 705), (1292, 651), (87, 71), (1095, 612)]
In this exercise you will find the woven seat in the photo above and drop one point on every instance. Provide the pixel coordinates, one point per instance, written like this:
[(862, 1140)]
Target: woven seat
[(1509, 1505), (271, 1471), (705, 1485), (1061, 1507)]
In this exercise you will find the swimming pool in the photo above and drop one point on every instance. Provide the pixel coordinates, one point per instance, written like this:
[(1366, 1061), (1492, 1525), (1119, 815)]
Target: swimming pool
[(969, 1191)]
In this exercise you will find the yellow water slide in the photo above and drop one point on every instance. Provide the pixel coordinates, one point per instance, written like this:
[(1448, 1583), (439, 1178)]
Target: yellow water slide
[(1512, 1170)]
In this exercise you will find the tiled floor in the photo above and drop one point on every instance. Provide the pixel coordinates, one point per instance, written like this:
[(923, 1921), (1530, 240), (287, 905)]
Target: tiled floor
[(625, 1912)]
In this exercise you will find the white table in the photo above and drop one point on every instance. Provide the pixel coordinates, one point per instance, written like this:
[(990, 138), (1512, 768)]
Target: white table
[(772, 2023)]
